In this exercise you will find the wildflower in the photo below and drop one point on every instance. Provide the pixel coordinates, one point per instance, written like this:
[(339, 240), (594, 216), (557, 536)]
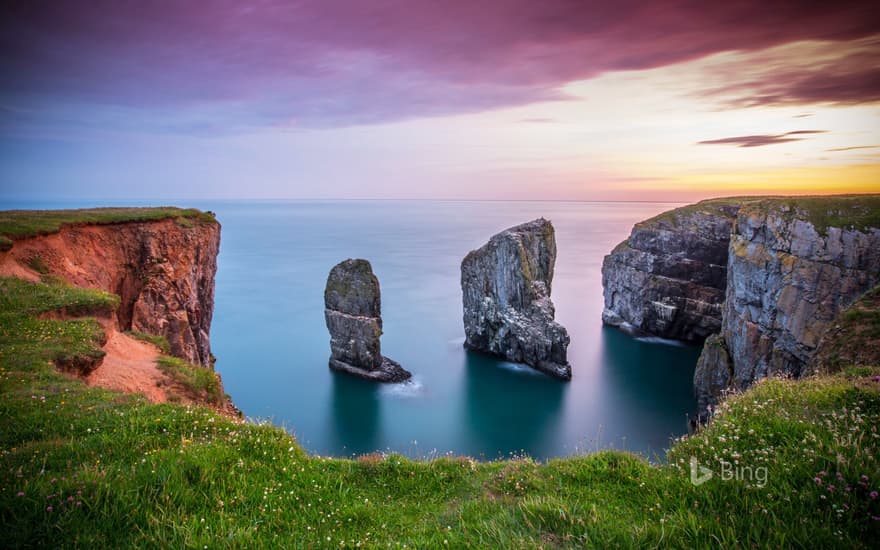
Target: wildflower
[(831, 488), (49, 508), (864, 477), (822, 473), (20, 494), (818, 480), (873, 494)]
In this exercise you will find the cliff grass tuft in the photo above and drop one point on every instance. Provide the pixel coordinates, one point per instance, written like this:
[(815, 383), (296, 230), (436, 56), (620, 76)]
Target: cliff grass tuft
[(85, 467), (200, 381), (159, 341), (854, 338), (19, 224), (25, 337), (860, 212)]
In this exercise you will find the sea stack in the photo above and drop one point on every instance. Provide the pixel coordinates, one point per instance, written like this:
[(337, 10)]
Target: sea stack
[(353, 311), (506, 294)]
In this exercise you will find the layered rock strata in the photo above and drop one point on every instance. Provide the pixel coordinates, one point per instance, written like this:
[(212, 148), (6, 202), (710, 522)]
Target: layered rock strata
[(353, 312), (793, 266), (506, 287), (668, 278)]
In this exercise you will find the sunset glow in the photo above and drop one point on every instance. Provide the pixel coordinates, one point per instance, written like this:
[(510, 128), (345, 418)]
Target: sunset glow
[(561, 101)]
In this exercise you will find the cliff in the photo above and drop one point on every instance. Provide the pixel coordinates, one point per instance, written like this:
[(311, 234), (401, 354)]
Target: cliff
[(668, 278), (760, 279), (793, 266), (506, 287), (162, 269), (157, 265)]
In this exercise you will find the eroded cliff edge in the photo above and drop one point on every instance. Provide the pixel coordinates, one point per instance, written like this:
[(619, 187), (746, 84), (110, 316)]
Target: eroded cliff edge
[(763, 279), (162, 269)]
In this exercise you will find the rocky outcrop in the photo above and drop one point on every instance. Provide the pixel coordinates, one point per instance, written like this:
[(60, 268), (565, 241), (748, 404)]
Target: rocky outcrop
[(793, 266), (668, 278), (769, 276), (162, 270), (506, 296), (353, 311)]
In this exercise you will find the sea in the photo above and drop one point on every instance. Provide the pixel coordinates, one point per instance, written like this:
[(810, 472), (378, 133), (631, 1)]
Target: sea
[(272, 345)]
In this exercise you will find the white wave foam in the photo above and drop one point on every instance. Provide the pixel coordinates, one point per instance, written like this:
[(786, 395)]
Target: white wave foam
[(411, 388), (662, 341)]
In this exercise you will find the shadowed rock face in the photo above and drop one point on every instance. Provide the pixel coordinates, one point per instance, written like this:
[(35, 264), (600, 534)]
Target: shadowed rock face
[(353, 309), (668, 278), (506, 296)]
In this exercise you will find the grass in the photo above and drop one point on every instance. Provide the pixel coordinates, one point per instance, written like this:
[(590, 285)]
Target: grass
[(19, 224), (159, 341), (859, 212), (85, 467), (854, 338), (199, 381)]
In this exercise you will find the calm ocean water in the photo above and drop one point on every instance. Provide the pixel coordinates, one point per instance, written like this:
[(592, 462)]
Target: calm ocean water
[(272, 345)]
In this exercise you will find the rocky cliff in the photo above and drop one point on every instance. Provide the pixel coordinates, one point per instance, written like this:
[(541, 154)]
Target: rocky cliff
[(763, 279), (353, 312), (162, 269), (668, 278), (506, 297), (793, 265)]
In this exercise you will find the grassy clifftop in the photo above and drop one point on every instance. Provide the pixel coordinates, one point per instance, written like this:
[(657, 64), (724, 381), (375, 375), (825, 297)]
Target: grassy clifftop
[(843, 211), (19, 224), (86, 467)]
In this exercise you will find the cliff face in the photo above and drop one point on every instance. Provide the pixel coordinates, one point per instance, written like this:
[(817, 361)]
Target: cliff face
[(668, 278), (162, 270), (506, 296), (763, 279), (793, 266)]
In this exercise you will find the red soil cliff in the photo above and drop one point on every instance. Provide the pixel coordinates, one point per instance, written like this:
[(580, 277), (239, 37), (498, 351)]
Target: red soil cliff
[(163, 272)]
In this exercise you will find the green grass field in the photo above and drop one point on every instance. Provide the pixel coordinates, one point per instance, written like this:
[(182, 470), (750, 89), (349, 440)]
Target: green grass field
[(85, 467), (18, 224)]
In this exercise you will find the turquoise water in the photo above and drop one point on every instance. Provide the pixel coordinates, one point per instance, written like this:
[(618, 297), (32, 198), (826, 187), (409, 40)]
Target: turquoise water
[(272, 345)]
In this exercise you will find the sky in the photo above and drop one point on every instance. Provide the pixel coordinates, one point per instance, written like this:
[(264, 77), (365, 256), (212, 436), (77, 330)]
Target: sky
[(412, 99)]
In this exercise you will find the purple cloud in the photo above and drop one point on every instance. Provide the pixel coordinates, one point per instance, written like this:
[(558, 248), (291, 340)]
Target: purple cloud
[(839, 149), (760, 140), (326, 63)]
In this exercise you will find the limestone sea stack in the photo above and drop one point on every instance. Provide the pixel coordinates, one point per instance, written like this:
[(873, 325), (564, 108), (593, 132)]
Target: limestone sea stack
[(353, 311), (506, 296)]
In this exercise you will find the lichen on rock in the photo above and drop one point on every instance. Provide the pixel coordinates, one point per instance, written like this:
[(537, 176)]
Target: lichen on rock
[(353, 312), (506, 287)]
